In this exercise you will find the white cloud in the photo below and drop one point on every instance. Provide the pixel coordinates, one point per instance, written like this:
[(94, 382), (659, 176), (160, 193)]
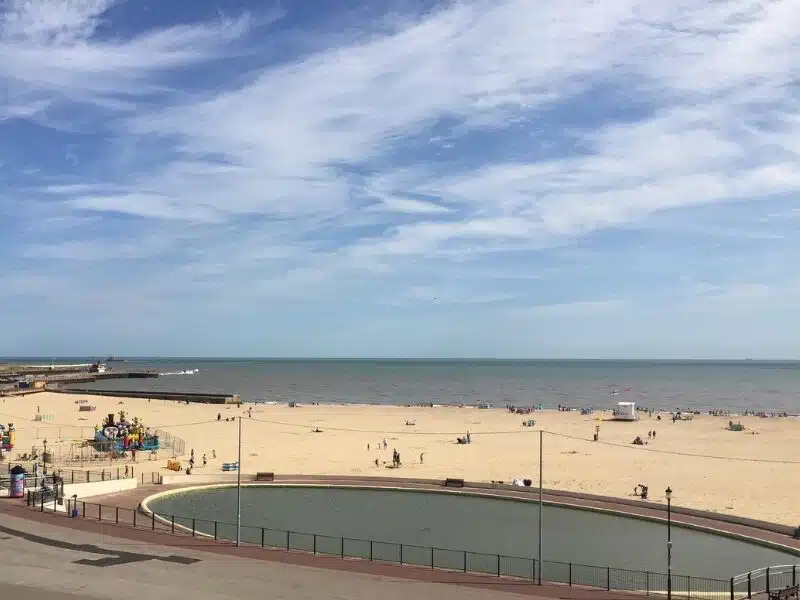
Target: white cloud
[(291, 125), (50, 53), (473, 133)]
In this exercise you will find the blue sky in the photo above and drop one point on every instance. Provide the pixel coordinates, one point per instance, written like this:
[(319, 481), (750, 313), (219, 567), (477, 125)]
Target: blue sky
[(239, 178)]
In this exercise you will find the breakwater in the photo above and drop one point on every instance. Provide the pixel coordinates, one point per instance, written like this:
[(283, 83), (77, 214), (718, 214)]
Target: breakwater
[(189, 397)]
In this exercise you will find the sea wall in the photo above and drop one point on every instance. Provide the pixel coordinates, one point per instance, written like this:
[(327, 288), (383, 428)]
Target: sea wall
[(203, 398)]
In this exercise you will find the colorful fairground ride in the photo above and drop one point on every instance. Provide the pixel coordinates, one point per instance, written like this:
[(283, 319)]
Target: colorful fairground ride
[(7, 436), (122, 434)]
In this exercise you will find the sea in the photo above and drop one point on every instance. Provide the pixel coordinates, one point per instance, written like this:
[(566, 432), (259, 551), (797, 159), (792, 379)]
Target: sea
[(735, 386)]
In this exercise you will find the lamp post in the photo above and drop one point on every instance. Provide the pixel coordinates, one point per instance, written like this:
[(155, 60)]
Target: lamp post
[(44, 458), (239, 489), (668, 494), (541, 507)]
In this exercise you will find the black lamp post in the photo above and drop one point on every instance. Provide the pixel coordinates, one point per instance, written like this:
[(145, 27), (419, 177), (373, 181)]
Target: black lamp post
[(669, 543), (44, 458)]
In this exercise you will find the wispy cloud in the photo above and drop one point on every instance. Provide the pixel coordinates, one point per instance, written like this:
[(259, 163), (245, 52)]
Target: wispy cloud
[(541, 161)]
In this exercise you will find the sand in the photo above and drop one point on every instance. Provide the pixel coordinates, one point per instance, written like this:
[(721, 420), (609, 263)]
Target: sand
[(755, 475)]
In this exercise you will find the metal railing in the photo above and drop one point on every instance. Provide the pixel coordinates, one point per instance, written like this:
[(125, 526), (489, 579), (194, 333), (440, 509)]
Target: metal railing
[(529, 569), (69, 476), (764, 581)]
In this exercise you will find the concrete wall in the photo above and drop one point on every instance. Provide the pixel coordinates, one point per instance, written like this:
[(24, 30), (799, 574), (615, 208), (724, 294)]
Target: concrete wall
[(86, 491), (218, 478), (98, 488)]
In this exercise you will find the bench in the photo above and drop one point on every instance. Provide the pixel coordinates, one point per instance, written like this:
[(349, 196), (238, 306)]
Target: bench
[(453, 482), (265, 476), (786, 593)]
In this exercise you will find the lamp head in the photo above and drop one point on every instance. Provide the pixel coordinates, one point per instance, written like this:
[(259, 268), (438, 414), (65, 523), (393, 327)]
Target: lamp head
[(668, 493)]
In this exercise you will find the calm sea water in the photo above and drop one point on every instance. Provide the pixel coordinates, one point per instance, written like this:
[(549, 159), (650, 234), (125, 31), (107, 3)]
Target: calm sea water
[(768, 386), (448, 522)]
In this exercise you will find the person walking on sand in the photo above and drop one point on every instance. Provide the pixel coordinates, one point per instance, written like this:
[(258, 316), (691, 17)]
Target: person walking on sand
[(421, 457), (205, 460)]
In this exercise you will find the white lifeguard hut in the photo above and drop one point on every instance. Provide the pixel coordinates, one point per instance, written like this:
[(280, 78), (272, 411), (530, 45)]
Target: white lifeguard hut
[(625, 411)]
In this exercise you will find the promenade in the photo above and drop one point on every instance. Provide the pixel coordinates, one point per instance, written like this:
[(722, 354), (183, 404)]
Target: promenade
[(87, 560), (120, 520)]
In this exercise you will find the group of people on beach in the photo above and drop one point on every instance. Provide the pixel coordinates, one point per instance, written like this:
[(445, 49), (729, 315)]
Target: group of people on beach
[(396, 463)]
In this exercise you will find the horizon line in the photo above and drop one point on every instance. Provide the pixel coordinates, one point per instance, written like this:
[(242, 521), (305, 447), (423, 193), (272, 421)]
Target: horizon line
[(397, 358)]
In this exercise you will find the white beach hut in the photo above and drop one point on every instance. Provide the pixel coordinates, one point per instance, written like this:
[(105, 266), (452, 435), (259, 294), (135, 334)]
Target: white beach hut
[(625, 411)]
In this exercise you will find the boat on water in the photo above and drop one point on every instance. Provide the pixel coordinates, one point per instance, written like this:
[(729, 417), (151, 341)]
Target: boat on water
[(113, 358)]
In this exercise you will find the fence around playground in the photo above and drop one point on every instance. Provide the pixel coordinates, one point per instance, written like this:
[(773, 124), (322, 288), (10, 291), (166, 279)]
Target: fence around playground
[(497, 565), (82, 450)]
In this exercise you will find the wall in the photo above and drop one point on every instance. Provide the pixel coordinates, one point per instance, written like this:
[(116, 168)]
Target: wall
[(98, 488), (218, 478), (85, 491)]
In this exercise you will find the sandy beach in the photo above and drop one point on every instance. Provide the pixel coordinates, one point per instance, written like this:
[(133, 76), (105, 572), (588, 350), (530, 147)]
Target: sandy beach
[(753, 473)]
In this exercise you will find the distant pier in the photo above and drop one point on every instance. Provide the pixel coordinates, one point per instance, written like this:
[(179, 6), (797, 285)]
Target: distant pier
[(191, 397), (31, 378)]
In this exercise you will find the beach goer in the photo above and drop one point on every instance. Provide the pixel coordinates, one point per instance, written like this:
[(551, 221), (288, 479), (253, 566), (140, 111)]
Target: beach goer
[(367, 446), (421, 457), (126, 470), (384, 444), (205, 460), (219, 416), (213, 454)]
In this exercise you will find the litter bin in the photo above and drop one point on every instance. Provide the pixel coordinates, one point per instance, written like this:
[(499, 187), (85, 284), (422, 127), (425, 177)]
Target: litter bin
[(17, 487)]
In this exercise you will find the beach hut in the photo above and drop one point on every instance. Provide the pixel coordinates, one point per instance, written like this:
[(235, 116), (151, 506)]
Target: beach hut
[(625, 411)]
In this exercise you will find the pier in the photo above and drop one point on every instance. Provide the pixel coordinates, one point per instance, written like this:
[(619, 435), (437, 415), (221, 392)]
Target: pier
[(24, 379), (191, 397)]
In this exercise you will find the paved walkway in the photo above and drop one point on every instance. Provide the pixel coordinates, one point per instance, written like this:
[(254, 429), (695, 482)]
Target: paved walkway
[(94, 561), (120, 519)]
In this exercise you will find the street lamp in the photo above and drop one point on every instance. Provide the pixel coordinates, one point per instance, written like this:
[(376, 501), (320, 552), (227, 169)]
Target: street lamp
[(44, 458), (668, 493)]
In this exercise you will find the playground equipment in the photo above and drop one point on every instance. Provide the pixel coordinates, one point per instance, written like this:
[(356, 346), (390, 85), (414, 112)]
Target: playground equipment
[(7, 436), (174, 465), (124, 434)]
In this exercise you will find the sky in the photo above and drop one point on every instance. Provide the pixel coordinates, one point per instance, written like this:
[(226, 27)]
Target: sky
[(500, 178)]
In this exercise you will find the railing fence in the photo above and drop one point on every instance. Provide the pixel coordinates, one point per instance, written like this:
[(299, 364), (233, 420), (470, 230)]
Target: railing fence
[(69, 476), (571, 574), (764, 581)]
